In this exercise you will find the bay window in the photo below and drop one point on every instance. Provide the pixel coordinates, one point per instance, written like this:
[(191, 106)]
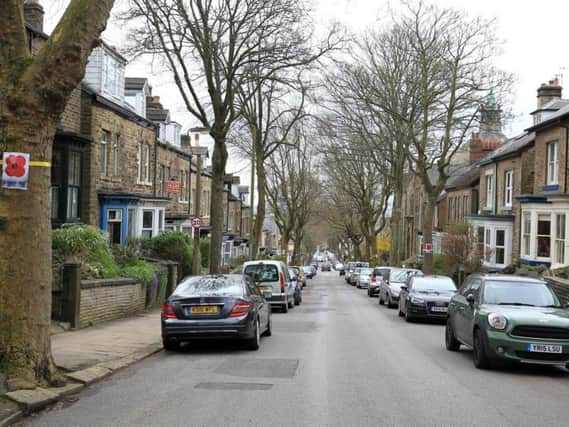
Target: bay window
[(544, 235)]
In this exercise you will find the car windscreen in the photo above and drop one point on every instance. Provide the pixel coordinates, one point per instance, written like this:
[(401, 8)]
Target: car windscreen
[(400, 276), (307, 269), (433, 284), (366, 271), (362, 264), (262, 273), (516, 293), (380, 271), (210, 286)]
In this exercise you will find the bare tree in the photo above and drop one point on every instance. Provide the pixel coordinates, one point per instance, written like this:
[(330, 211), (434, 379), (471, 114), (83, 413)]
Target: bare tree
[(210, 47), (33, 93)]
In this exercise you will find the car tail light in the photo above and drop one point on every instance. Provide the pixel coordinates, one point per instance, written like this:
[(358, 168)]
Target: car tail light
[(240, 308), (168, 312), (282, 282), (373, 279)]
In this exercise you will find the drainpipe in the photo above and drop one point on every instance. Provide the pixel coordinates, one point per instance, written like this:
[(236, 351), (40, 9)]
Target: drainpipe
[(155, 158)]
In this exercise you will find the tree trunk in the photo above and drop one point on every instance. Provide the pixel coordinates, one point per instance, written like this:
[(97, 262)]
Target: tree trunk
[(428, 262), (196, 253), (396, 224), (262, 196), (219, 160), (25, 293)]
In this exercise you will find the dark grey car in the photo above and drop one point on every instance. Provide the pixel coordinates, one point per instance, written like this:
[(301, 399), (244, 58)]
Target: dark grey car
[(216, 307), (426, 297)]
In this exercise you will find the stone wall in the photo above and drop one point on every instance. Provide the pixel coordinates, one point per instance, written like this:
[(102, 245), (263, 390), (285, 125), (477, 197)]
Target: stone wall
[(108, 299), (71, 117), (561, 288)]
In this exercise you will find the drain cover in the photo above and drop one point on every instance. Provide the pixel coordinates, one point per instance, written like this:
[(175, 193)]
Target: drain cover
[(234, 386), (259, 368)]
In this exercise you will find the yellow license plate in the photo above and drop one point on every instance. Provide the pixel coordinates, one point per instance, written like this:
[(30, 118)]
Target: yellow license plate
[(205, 309), (265, 288)]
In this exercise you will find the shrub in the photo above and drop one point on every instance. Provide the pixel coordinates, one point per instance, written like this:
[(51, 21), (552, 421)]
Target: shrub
[(129, 252), (172, 246), (85, 244)]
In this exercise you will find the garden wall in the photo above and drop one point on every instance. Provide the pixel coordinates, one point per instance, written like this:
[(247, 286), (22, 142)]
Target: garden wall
[(561, 288)]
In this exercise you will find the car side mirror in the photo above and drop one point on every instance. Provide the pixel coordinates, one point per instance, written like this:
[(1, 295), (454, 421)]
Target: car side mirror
[(470, 298), (267, 294)]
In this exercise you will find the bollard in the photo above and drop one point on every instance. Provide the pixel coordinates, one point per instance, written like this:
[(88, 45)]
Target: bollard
[(71, 297)]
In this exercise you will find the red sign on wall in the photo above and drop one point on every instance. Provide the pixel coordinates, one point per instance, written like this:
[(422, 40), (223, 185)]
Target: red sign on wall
[(428, 248), (173, 186)]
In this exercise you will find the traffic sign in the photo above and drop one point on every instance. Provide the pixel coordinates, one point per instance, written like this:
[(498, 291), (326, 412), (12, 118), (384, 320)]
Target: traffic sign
[(196, 222), (428, 248)]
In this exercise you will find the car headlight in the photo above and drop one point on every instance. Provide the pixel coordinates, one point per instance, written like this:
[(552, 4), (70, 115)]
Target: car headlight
[(415, 300), (497, 321)]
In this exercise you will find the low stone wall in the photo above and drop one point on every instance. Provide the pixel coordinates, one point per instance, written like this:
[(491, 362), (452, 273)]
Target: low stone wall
[(108, 299), (561, 288)]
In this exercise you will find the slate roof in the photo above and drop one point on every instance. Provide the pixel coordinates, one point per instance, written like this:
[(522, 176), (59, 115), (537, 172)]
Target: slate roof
[(157, 114), (135, 83), (558, 114), (553, 105), (463, 175), (509, 147)]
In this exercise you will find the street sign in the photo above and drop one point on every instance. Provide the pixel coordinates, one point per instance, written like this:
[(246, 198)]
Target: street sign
[(173, 186), (15, 170), (196, 222), (428, 248)]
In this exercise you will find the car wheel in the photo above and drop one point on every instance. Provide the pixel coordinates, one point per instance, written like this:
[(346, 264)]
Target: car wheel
[(268, 331), (451, 343), (408, 316), (479, 353), (170, 345), (369, 293), (381, 301), (284, 308), (291, 303), (388, 302), (255, 342), (297, 301)]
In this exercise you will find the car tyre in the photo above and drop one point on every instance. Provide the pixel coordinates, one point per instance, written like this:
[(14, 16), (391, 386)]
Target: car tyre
[(388, 302), (170, 345), (451, 343), (291, 303), (381, 301), (268, 332), (408, 316), (479, 352), (284, 308), (254, 343)]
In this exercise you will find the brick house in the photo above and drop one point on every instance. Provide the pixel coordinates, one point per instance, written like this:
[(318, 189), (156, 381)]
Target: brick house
[(504, 174), (544, 208)]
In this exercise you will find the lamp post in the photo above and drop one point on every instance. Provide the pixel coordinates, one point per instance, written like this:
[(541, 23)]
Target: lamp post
[(197, 151)]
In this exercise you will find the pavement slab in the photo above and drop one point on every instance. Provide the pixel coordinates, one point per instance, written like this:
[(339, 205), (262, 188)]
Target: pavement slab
[(90, 375)]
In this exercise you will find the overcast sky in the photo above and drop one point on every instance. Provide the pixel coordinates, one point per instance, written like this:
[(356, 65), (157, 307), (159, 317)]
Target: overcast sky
[(534, 35)]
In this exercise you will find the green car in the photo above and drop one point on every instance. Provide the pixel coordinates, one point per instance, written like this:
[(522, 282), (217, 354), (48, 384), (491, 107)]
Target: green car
[(508, 318)]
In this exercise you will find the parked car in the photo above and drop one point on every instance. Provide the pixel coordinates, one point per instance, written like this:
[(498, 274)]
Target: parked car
[(314, 270), (364, 278), (297, 286), (326, 266), (354, 276), (340, 268), (299, 275), (508, 318), (214, 307), (308, 272), (391, 285), (351, 269), (376, 278), (273, 276), (426, 297)]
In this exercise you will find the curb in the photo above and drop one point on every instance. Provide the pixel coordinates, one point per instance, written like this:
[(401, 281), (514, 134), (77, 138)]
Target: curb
[(26, 402)]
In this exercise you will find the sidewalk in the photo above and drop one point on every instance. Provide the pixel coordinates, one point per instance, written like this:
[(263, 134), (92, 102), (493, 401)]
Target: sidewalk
[(88, 355)]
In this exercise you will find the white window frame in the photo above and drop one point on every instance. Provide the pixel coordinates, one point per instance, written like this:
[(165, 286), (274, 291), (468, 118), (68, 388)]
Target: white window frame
[(183, 197), (496, 247), (489, 190), (147, 164), (150, 229), (552, 163), (139, 163), (508, 188), (116, 155), (537, 236), (488, 255), (117, 217), (104, 153), (560, 237), (526, 234)]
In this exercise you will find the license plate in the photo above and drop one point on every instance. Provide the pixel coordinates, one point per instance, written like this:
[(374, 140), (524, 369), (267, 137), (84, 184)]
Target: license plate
[(439, 309), (204, 309), (265, 288), (545, 348)]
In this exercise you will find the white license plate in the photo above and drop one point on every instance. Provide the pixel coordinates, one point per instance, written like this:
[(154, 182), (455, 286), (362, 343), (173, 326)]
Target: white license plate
[(545, 348), (439, 309)]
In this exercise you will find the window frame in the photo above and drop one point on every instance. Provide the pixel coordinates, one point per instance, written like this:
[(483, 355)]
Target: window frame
[(508, 188), (489, 191), (104, 153), (139, 162), (147, 164), (548, 236), (560, 238), (552, 164), (526, 233), (116, 155)]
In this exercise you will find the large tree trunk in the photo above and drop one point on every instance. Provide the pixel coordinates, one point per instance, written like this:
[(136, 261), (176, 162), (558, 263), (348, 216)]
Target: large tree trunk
[(262, 196), (25, 235), (428, 262), (396, 224), (219, 160), (33, 94)]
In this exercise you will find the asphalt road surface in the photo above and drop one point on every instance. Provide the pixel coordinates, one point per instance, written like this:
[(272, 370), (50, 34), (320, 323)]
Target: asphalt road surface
[(339, 359)]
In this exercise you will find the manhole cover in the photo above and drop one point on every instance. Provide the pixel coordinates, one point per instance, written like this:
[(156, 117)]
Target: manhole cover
[(234, 386), (259, 368)]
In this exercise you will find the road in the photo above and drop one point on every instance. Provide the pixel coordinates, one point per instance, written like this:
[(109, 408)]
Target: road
[(337, 360)]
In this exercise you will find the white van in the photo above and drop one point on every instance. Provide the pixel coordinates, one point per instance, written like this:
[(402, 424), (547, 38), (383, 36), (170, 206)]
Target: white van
[(274, 276)]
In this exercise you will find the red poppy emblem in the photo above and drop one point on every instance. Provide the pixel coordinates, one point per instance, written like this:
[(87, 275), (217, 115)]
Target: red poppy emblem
[(15, 166)]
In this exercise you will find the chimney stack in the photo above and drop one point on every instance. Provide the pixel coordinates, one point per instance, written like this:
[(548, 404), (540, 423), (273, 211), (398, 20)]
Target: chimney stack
[(33, 14), (548, 92)]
